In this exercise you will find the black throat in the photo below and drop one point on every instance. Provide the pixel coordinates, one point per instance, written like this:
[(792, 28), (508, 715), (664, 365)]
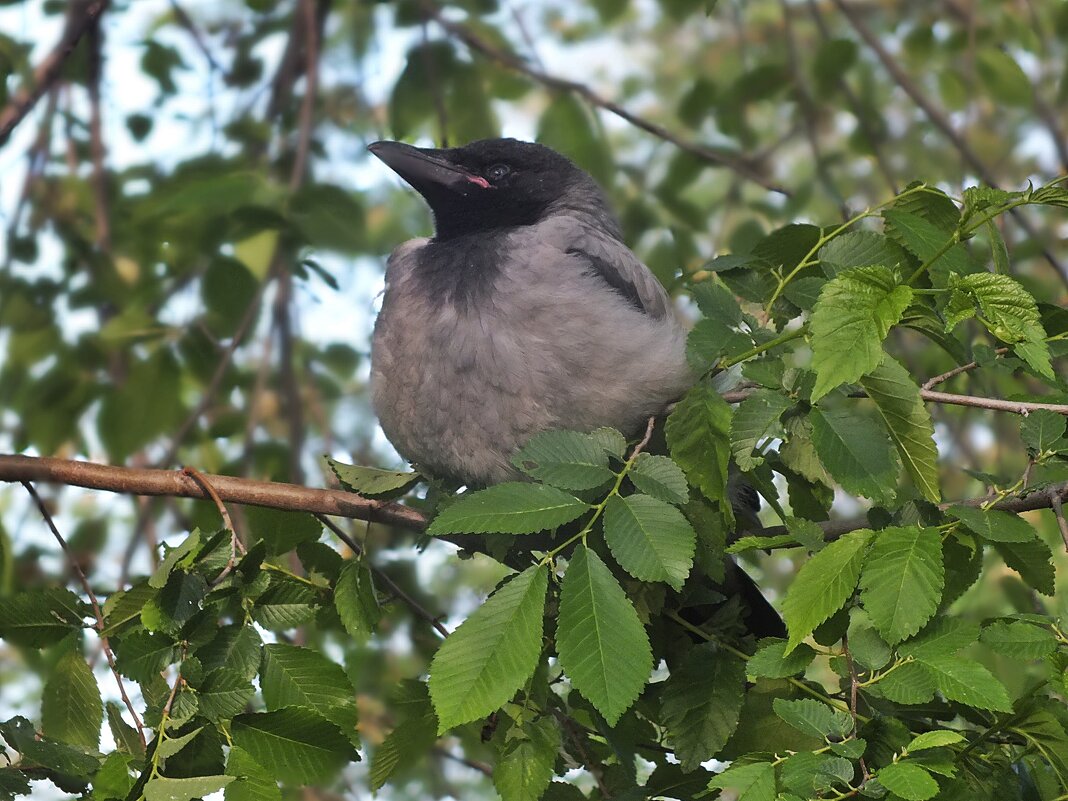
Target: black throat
[(461, 269)]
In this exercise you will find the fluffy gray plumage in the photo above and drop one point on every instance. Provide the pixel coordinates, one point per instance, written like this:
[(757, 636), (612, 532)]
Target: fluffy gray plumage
[(525, 313)]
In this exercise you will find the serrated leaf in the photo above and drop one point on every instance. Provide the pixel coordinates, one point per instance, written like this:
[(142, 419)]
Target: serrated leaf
[(1041, 429), (172, 745), (565, 459), (41, 751), (525, 766), (752, 782), (171, 558), (602, 645), (509, 508), (282, 530), (928, 240), (39, 618), (650, 539), (994, 525), (112, 781), (772, 662), (1033, 560), (354, 598), (814, 718), (482, 664), (252, 781), (910, 683), (411, 739), (223, 693), (71, 709), (295, 676), (300, 745), (908, 781), (285, 605), (755, 418), (942, 637), (855, 452), (613, 442), (697, 432), (701, 702), (868, 648), (934, 739), (851, 319), (1019, 640), (372, 481), (824, 584), (967, 682), (902, 581), (897, 397), (235, 647), (143, 654), (124, 607), (860, 249), (660, 477), (125, 735), (162, 788)]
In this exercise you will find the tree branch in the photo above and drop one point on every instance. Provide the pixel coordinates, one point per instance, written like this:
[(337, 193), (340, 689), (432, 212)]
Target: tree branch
[(144, 481), (490, 51), (48, 70)]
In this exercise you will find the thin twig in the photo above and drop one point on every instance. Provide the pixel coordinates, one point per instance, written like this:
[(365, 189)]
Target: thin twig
[(97, 613), (1058, 512), (97, 149), (956, 371), (854, 685), (191, 28), (48, 70), (490, 51), (952, 399), (481, 767), (311, 89), (228, 524), (393, 587), (577, 736)]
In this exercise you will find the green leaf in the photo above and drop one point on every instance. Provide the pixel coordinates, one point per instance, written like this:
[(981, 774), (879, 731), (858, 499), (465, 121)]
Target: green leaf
[(772, 662), (697, 435), (510, 508), (934, 739), (902, 580), (252, 781), (755, 418), (927, 239), (650, 539), (942, 637), (172, 745), (124, 607), (565, 459), (300, 745), (412, 738), (354, 598), (525, 765), (814, 718), (1007, 83), (867, 647), (602, 645), (36, 750), (71, 709), (1041, 429), (125, 735), (854, 313), (235, 647), (897, 397), (282, 531), (569, 126), (824, 584), (910, 683), (40, 618), (994, 525), (285, 605), (861, 249), (856, 452), (482, 664), (967, 682), (143, 654), (660, 477), (295, 676), (161, 788), (1033, 561), (908, 781), (172, 556), (613, 442), (1019, 639), (112, 781), (371, 481), (701, 702), (752, 782), (223, 693)]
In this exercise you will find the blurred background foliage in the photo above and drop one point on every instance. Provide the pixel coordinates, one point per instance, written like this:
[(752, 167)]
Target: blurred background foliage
[(193, 233)]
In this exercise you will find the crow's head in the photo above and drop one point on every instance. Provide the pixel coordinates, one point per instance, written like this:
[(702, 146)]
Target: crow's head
[(495, 184)]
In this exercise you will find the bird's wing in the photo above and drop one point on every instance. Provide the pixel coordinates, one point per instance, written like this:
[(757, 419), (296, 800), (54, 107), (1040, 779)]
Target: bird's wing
[(611, 261)]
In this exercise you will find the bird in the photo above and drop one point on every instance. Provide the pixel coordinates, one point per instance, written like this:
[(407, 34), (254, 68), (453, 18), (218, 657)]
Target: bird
[(525, 312)]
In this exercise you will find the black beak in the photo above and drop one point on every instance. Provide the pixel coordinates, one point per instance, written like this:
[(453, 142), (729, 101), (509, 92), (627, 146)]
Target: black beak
[(426, 168)]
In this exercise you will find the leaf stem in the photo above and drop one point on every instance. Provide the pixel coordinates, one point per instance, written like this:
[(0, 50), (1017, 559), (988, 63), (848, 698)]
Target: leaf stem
[(782, 339)]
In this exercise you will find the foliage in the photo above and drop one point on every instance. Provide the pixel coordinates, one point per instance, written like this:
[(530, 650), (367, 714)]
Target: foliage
[(147, 316)]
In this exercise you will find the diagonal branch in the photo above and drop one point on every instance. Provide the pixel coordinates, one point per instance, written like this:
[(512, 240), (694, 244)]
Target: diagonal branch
[(48, 70), (493, 53)]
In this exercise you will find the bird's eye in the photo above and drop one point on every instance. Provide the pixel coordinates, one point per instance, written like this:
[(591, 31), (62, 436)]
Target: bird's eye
[(498, 171)]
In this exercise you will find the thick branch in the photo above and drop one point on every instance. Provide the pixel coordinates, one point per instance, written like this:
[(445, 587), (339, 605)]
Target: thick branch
[(274, 495)]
